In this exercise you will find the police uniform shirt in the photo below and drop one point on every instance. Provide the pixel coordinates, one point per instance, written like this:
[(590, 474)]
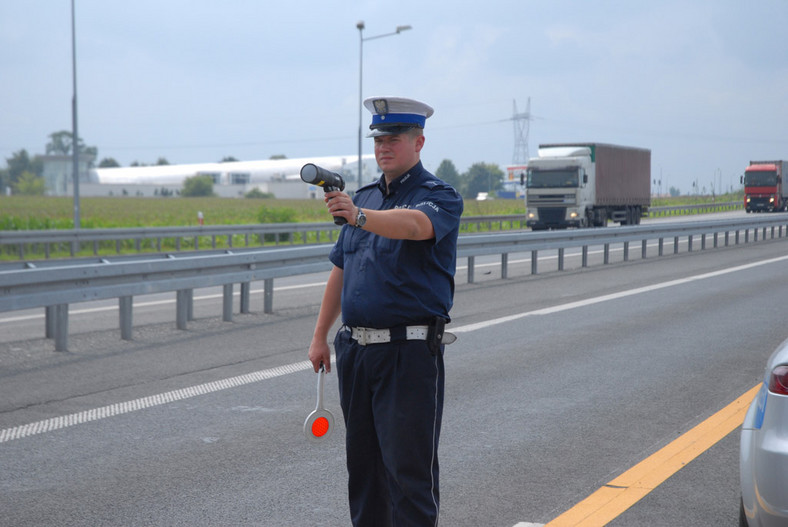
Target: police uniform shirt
[(390, 282)]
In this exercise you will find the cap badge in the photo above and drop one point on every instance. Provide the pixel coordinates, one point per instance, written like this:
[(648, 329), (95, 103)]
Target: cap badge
[(381, 106)]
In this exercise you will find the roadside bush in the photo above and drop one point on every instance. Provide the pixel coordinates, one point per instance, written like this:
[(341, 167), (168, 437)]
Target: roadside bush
[(276, 215), (256, 193)]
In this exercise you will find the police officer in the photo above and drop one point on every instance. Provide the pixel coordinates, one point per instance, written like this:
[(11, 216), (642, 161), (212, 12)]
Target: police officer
[(393, 284)]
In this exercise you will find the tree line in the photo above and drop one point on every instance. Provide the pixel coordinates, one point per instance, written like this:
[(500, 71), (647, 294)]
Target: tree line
[(480, 177), (24, 174)]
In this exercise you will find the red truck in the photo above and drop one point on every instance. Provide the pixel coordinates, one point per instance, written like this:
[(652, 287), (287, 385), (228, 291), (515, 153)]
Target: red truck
[(764, 189)]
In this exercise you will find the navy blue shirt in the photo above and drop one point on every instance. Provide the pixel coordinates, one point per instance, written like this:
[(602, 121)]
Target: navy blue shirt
[(390, 282)]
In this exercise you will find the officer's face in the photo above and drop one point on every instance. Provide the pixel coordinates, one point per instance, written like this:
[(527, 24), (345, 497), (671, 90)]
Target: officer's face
[(396, 154)]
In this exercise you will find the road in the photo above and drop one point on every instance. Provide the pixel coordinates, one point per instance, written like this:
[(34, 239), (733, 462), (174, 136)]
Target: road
[(558, 383), (149, 309)]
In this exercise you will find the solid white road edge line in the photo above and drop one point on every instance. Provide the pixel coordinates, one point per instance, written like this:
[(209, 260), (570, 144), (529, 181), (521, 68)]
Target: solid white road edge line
[(613, 296)]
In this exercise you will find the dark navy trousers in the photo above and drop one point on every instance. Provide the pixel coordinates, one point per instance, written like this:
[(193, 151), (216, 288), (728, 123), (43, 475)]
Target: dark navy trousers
[(392, 402)]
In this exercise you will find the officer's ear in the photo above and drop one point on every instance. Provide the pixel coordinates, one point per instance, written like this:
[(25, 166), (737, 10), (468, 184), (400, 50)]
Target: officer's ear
[(420, 142)]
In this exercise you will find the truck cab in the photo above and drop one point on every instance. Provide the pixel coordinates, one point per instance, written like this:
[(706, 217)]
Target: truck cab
[(557, 189), (763, 187)]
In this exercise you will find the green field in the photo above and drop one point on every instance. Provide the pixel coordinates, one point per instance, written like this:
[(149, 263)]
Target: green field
[(37, 212)]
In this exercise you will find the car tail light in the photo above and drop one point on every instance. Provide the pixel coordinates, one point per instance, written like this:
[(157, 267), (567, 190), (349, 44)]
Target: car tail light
[(778, 380)]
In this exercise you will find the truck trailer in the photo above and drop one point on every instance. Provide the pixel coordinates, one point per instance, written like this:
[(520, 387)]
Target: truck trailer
[(587, 184), (764, 188)]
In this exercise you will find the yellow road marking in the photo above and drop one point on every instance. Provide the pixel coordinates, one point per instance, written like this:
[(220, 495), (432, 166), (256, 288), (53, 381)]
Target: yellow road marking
[(609, 501)]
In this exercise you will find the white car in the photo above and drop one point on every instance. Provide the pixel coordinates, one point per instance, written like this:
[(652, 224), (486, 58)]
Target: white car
[(763, 462)]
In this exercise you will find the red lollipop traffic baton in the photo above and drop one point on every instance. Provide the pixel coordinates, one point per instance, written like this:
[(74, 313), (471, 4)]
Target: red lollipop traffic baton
[(320, 423)]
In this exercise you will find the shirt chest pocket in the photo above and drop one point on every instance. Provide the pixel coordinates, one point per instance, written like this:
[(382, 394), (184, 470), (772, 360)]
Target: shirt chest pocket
[(352, 242)]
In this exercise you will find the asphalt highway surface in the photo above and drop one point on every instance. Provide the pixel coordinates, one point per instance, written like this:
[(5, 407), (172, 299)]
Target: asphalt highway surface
[(558, 383)]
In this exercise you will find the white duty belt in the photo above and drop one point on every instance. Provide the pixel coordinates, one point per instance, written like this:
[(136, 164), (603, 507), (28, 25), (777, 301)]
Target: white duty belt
[(366, 336)]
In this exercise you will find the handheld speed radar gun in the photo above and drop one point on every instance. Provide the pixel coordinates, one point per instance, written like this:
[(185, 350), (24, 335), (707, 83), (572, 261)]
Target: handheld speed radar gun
[(330, 181)]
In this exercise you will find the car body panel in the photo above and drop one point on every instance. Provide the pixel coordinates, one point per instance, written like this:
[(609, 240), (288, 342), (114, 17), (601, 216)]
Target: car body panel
[(763, 462)]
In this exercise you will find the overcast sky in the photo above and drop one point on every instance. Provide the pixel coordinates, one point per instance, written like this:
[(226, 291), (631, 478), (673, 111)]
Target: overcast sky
[(702, 83)]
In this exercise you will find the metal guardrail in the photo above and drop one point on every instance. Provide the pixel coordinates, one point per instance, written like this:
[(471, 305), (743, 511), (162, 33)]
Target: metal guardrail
[(504, 243), (157, 239), (28, 243), (702, 208), (54, 285)]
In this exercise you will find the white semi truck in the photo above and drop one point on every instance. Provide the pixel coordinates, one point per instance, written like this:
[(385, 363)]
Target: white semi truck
[(587, 184)]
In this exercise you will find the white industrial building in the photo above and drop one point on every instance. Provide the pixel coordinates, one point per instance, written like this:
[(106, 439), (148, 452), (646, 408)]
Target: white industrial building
[(280, 177)]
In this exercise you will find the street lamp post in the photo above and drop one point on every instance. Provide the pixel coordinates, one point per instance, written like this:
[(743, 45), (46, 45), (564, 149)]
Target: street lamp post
[(361, 40), (75, 132)]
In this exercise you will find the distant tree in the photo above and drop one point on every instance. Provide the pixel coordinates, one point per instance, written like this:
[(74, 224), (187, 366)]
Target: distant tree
[(162, 161), (16, 165), (278, 156), (93, 152), (59, 143), (29, 184), (108, 162), (62, 143), (256, 193), (197, 186), (674, 192), (20, 162), (448, 173), (228, 159), (482, 177)]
